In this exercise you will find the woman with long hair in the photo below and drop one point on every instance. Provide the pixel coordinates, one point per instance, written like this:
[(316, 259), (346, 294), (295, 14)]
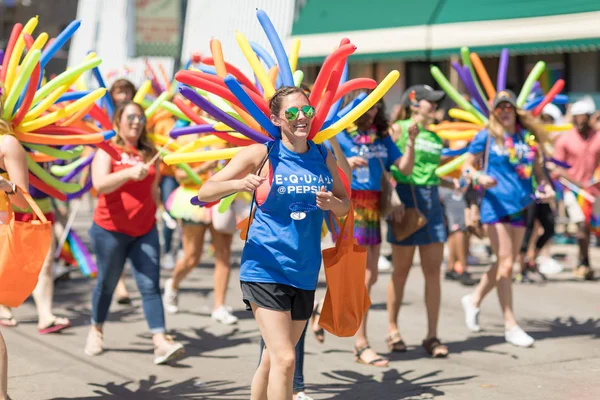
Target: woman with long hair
[(510, 162), (418, 189), (124, 227), (195, 223), (370, 152), (282, 255)]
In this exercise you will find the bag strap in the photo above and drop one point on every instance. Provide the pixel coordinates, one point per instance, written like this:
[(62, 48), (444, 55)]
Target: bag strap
[(270, 146), (346, 234), (486, 160), (37, 212), (412, 191)]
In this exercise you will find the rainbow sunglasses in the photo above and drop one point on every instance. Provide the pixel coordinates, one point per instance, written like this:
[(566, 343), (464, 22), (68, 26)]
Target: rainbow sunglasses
[(292, 113)]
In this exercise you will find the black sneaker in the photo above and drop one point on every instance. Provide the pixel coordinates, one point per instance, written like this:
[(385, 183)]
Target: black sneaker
[(452, 275), (466, 279)]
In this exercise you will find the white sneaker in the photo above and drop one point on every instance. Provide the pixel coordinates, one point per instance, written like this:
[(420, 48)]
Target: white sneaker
[(549, 266), (302, 396), (170, 298), (383, 264), (169, 221), (471, 313), (223, 315), (517, 337)]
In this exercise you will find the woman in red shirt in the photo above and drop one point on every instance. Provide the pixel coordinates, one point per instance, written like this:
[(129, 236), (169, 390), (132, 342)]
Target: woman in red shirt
[(124, 228)]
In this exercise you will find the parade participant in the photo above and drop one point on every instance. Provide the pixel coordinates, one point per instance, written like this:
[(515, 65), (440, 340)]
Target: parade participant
[(124, 228), (195, 222), (580, 148), (418, 189), (370, 152), (509, 161), (281, 258)]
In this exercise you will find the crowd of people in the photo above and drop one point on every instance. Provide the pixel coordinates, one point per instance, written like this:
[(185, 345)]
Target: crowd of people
[(508, 176)]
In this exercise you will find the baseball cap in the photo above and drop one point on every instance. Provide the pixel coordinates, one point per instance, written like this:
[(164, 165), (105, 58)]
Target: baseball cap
[(584, 106), (505, 96), (423, 92)]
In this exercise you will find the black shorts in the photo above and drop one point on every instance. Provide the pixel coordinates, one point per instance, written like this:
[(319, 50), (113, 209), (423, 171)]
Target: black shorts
[(278, 297)]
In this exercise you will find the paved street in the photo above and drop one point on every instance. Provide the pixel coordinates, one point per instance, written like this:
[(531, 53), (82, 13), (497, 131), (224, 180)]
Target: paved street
[(563, 315)]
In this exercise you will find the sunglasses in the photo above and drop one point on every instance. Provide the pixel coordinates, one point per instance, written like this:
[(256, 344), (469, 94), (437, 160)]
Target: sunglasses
[(292, 113), (505, 107), (141, 119)]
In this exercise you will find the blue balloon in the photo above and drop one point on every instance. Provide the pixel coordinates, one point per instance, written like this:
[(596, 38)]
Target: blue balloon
[(533, 103), (454, 153), (59, 42), (109, 103), (70, 96), (360, 97), (208, 69), (252, 108), (181, 123), (266, 57), (282, 59)]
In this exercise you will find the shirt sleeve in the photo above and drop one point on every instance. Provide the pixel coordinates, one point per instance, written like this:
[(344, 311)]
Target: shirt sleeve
[(478, 144), (392, 150)]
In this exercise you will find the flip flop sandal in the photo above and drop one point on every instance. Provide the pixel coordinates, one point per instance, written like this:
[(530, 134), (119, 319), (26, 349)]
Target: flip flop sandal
[(319, 333), (54, 327), (358, 352), (124, 300), (434, 347), (8, 322), (395, 343)]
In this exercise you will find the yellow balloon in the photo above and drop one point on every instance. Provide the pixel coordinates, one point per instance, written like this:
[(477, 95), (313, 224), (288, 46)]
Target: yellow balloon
[(163, 140), (457, 113), (80, 84), (15, 58), (254, 62), (142, 92), (360, 109), (457, 135), (558, 128), (63, 112), (13, 95), (42, 106), (199, 156), (294, 55), (221, 127), (40, 41)]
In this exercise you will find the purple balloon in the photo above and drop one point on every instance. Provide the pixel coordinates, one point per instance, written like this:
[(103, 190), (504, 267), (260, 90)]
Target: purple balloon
[(502, 69), (86, 188), (189, 130), (1, 56), (470, 84), (223, 116), (77, 170)]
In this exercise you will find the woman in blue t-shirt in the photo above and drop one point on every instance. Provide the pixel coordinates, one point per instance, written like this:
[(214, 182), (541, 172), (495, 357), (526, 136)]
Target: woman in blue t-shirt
[(282, 255), (509, 162)]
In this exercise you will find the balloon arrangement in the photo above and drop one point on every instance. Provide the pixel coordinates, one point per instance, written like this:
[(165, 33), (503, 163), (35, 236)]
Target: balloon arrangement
[(238, 108), (474, 115)]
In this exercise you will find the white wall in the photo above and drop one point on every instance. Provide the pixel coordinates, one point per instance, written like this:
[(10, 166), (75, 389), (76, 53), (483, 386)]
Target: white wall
[(104, 30), (220, 19)]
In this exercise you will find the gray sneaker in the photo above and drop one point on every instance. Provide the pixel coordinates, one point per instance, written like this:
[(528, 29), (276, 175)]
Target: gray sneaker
[(168, 351)]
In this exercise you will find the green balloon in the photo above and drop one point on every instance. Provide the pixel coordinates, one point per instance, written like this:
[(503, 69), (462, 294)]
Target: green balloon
[(154, 106), (534, 75), (193, 176), (451, 166), (298, 78), (64, 78), (42, 174), (62, 170), (57, 153), (173, 109), (225, 203), (453, 93)]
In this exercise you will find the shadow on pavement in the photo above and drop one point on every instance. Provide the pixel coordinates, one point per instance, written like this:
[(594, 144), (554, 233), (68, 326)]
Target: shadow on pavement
[(152, 389), (393, 385)]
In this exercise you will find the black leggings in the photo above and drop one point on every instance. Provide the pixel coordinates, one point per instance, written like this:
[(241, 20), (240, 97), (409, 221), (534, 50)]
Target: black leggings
[(543, 213)]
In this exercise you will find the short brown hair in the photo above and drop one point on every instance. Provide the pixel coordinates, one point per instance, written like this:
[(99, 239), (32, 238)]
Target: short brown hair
[(277, 99), (122, 85)]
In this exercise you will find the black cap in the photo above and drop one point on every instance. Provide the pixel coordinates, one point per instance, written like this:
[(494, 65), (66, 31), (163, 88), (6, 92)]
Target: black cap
[(423, 92), (505, 96)]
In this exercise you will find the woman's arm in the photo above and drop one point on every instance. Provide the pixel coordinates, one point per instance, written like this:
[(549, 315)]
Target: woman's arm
[(15, 163), (476, 177), (104, 181), (406, 163), (237, 176), (342, 161), (337, 200)]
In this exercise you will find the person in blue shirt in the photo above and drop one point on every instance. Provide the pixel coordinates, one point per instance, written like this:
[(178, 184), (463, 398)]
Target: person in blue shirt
[(282, 256), (509, 161), (370, 151)]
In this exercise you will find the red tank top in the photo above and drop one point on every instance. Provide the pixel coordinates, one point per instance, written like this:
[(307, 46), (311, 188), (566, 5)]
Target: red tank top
[(131, 208)]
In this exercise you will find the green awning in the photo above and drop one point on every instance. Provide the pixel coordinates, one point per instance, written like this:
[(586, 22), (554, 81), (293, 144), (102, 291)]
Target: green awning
[(427, 29)]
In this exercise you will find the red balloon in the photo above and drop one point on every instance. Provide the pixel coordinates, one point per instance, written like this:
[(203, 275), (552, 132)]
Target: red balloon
[(28, 99), (44, 187)]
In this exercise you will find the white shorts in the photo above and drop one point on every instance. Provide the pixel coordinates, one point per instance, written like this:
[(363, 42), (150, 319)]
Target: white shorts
[(227, 221)]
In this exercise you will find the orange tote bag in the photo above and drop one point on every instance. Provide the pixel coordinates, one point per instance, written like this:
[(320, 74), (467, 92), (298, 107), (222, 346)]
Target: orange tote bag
[(23, 249), (347, 299)]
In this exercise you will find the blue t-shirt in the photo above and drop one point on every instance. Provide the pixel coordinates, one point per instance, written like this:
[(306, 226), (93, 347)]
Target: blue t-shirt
[(284, 239), (384, 149), (511, 194)]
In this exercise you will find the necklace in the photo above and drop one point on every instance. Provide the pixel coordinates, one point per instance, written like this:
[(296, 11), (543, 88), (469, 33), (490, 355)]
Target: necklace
[(521, 157), (361, 137)]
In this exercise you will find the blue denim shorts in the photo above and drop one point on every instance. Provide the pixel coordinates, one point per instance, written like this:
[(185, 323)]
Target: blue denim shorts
[(428, 202)]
